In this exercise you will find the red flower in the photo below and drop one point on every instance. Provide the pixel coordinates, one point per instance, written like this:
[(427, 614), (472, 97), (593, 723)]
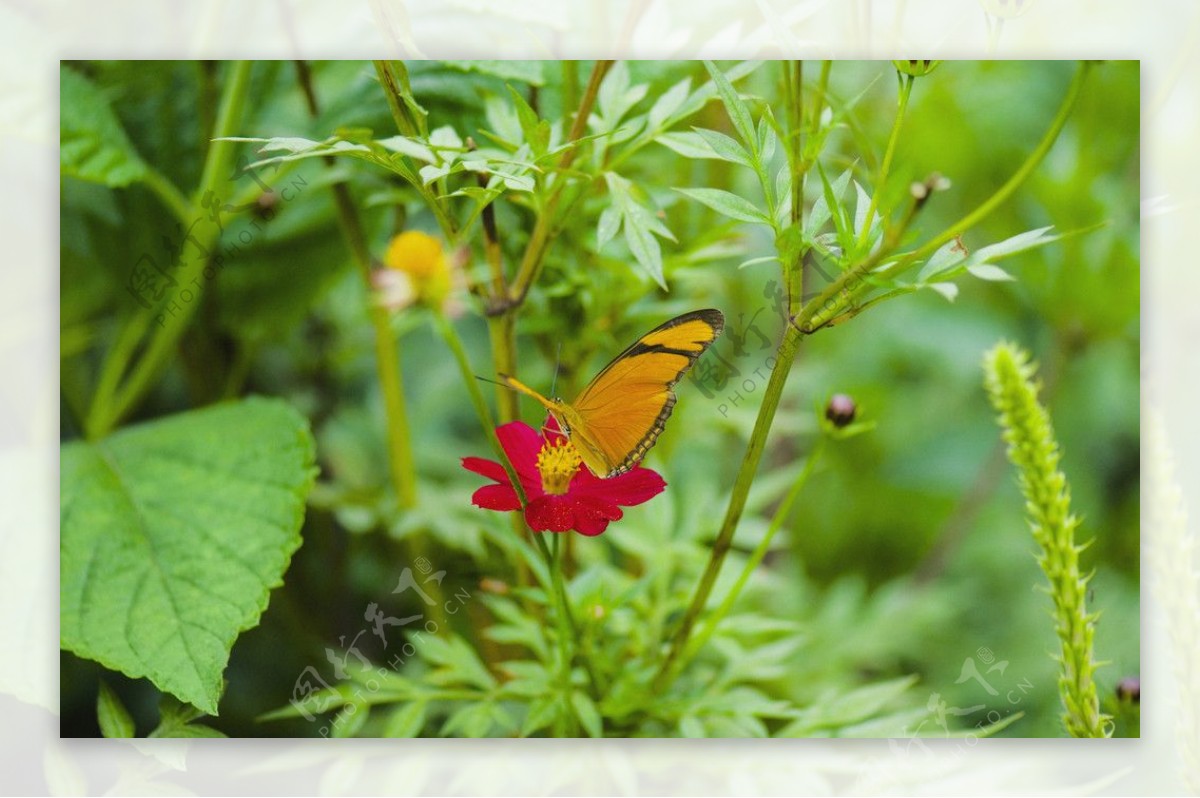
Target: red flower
[(560, 493)]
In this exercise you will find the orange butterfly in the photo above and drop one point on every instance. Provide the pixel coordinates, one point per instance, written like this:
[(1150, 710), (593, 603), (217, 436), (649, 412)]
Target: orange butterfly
[(621, 412)]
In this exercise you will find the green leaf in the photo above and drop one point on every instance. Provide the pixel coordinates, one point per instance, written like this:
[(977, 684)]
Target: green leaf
[(530, 72), (640, 225), (667, 104), (739, 114), (350, 719), (990, 272), (850, 708), (727, 203), (541, 714), (726, 148), (173, 534), (689, 144), (114, 719), (587, 713), (406, 721), (92, 144), (536, 132), (458, 663), (691, 727)]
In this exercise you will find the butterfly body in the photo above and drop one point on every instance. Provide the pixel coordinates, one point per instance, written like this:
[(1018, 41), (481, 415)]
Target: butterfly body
[(618, 417)]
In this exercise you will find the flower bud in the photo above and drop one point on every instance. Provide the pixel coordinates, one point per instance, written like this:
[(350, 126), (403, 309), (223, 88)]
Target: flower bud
[(840, 410), (916, 68), (1129, 690)]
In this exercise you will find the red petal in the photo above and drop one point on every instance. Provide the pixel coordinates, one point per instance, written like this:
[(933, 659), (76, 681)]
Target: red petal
[(487, 468), (593, 515), (550, 514), (522, 443), (496, 497), (632, 487)]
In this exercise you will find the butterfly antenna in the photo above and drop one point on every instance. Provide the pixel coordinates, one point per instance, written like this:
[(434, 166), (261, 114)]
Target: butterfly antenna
[(495, 382), (557, 363)]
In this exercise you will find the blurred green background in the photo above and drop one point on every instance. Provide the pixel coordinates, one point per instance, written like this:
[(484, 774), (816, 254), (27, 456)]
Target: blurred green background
[(907, 553)]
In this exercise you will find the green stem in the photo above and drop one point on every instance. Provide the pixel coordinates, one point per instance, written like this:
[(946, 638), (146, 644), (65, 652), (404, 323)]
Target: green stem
[(737, 500), (109, 409), (450, 336), (843, 291), (168, 194), (756, 557), (906, 83), (535, 251)]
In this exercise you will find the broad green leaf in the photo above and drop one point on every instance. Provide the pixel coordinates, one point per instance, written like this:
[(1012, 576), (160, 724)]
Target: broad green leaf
[(727, 203), (406, 721), (111, 714), (92, 144), (173, 534)]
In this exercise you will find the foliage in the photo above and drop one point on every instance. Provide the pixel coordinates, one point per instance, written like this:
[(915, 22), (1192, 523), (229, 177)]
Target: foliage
[(225, 228)]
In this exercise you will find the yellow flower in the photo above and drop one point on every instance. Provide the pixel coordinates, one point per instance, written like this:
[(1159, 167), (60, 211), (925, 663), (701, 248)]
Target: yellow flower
[(417, 271)]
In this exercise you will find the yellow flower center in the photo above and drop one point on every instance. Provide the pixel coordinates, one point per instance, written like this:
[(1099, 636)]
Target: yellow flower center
[(557, 462)]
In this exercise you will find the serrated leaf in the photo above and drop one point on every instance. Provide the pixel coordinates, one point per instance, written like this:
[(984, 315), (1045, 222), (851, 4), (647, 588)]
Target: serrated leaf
[(111, 714), (406, 721), (990, 272), (589, 716), (728, 204), (92, 144), (173, 534)]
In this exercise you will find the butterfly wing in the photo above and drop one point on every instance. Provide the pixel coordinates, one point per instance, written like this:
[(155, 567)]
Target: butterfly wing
[(621, 412)]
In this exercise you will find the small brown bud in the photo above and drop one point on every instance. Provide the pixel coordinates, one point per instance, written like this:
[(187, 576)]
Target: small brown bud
[(1129, 690), (841, 410)]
